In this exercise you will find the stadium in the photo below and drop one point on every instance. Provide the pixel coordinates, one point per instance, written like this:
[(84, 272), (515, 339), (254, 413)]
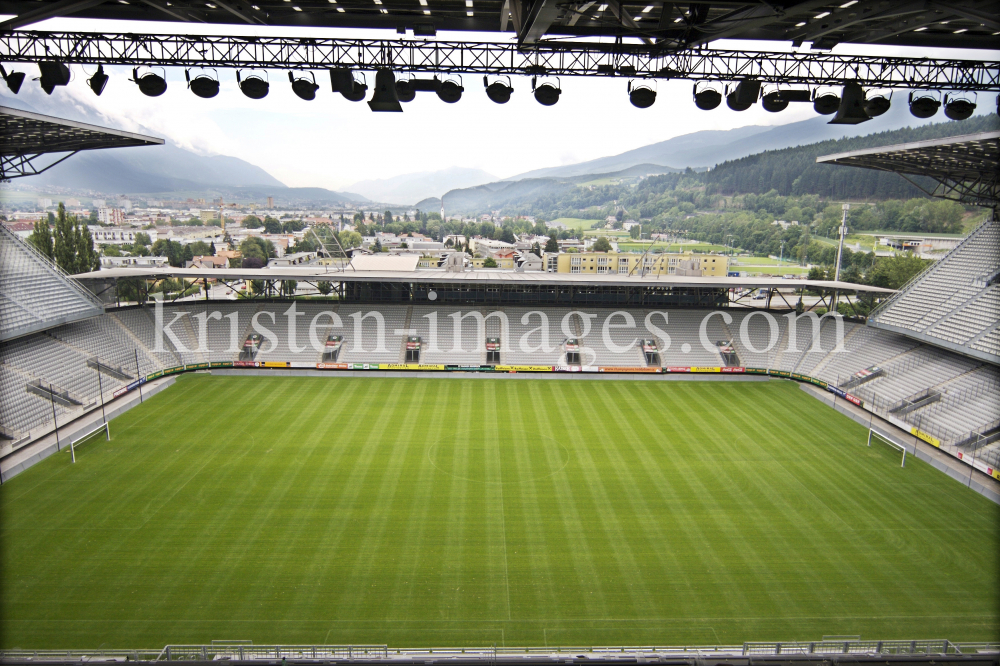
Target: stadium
[(462, 466)]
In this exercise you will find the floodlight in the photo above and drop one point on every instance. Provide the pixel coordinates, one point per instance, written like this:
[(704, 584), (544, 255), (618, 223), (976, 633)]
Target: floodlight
[(826, 103), (405, 91), (54, 74), (852, 106), (924, 105), (203, 85), (707, 99), (449, 91), (13, 79), (385, 97), (774, 102), (744, 95), (342, 80), (546, 94), (253, 86), (303, 87), (150, 84), (641, 95), (498, 91), (98, 81), (958, 108), (877, 103)]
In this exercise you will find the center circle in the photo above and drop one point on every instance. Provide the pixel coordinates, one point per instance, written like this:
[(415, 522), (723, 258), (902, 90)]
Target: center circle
[(507, 458)]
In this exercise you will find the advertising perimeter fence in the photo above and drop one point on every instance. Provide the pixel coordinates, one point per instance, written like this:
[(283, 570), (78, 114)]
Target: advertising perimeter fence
[(239, 651)]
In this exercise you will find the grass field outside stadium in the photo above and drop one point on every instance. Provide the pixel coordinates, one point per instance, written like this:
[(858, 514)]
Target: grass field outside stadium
[(467, 512)]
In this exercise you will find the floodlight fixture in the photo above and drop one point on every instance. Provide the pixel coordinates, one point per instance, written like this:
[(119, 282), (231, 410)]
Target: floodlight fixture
[(13, 79), (54, 73), (404, 91), (744, 95), (450, 91), (203, 85), (254, 85), (773, 101), (498, 91), (546, 94), (852, 106), (877, 103), (826, 102), (385, 97), (98, 81), (342, 80), (150, 84), (923, 104), (707, 98), (958, 108), (304, 88), (641, 94)]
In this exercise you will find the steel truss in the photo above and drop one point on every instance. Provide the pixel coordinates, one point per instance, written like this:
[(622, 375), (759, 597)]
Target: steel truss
[(19, 166), (551, 58)]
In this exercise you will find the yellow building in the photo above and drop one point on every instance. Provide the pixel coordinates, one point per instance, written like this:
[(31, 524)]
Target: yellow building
[(504, 262), (623, 263), (208, 214)]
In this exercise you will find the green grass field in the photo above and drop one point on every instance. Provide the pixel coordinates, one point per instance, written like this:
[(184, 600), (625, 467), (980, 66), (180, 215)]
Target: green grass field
[(425, 511)]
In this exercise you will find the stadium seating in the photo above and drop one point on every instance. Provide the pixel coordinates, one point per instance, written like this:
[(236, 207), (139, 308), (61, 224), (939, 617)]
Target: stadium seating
[(59, 356), (955, 301), (34, 293)]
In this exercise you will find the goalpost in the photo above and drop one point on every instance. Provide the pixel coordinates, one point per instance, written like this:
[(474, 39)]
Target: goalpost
[(879, 437), (89, 435)]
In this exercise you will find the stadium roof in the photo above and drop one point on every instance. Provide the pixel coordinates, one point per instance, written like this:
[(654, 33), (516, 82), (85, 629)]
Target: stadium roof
[(28, 136), (965, 167), (481, 277), (959, 24)]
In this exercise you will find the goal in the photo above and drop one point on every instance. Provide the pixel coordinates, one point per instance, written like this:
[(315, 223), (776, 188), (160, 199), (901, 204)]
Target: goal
[(89, 436), (877, 437)]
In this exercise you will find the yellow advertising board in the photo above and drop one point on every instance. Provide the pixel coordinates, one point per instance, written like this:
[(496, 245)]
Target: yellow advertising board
[(408, 366), (524, 368), (705, 369), (930, 439)]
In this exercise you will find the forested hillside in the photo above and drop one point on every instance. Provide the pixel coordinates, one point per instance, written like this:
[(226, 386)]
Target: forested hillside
[(795, 171)]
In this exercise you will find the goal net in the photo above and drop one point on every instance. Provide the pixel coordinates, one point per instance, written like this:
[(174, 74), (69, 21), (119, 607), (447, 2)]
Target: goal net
[(103, 430), (878, 439)]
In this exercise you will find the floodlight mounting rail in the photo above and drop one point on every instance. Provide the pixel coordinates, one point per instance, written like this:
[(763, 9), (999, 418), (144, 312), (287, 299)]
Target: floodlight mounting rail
[(556, 58)]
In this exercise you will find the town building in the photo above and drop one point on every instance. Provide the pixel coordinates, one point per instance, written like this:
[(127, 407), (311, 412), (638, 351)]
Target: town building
[(625, 263)]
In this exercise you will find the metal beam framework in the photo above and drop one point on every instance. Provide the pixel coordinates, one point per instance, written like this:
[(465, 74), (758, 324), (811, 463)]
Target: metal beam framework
[(557, 59), (30, 136), (965, 168)]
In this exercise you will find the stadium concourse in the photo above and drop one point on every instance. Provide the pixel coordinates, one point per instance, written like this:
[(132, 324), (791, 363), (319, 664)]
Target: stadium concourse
[(55, 366)]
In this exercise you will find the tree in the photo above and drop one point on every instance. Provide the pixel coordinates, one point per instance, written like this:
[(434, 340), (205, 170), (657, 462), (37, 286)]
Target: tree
[(211, 248), (111, 250), (377, 247), (41, 238), (325, 287), (142, 238), (200, 249), (602, 245), (489, 262), (552, 244), (507, 235), (288, 287), (387, 218), (272, 226), (252, 222), (349, 239), (87, 256), (635, 231), (257, 248), (536, 250), (64, 245)]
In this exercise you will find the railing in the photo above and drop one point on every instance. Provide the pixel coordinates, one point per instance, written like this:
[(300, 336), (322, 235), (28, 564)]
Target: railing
[(246, 651)]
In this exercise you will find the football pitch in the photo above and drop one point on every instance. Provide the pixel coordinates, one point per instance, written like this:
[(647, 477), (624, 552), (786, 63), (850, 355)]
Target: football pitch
[(467, 512)]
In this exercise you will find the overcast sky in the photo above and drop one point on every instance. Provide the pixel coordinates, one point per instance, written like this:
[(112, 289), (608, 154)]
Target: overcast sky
[(333, 143)]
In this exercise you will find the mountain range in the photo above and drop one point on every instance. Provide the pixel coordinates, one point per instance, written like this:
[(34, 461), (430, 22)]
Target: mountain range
[(165, 170), (416, 186)]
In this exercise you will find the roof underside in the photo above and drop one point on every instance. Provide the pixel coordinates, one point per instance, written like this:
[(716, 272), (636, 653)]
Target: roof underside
[(507, 278), (959, 24), (27, 133), (965, 167)]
